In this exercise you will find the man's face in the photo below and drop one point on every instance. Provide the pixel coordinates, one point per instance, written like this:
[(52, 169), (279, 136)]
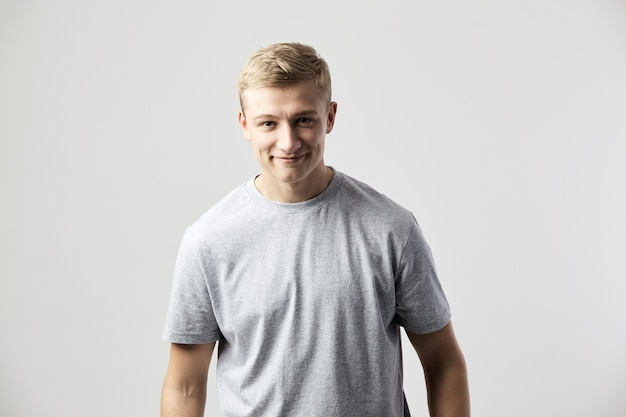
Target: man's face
[(287, 128)]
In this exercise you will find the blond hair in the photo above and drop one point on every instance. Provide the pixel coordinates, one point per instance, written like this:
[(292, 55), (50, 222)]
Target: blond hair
[(282, 64)]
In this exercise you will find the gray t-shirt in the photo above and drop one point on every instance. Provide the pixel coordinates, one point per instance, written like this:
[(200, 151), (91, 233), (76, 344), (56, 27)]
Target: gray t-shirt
[(306, 300)]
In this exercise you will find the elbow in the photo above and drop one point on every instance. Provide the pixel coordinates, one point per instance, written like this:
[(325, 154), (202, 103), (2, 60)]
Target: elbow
[(185, 389)]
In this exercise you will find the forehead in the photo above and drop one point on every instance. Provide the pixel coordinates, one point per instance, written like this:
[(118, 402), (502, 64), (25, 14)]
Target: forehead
[(298, 97)]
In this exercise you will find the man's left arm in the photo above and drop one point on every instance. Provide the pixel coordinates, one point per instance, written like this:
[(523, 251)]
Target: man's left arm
[(445, 372)]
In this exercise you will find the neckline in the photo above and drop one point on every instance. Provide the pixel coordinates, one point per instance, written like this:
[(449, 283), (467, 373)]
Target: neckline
[(295, 208)]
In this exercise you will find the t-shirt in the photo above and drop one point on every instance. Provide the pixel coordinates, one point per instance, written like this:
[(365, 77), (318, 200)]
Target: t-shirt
[(306, 300)]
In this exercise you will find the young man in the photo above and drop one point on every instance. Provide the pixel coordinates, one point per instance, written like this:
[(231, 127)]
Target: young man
[(304, 275)]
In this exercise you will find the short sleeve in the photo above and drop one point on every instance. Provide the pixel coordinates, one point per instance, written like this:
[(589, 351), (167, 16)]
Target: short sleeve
[(190, 318), (421, 304)]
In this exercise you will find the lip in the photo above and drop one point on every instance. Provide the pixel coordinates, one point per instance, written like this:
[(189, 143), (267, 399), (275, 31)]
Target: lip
[(289, 159)]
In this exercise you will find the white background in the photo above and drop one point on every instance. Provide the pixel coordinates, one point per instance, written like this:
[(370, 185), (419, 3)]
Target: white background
[(500, 124)]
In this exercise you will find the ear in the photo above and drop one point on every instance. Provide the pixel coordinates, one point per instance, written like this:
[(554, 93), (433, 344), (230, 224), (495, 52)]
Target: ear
[(241, 118), (330, 120)]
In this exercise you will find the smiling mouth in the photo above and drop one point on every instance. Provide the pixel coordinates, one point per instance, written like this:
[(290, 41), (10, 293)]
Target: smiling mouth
[(289, 159)]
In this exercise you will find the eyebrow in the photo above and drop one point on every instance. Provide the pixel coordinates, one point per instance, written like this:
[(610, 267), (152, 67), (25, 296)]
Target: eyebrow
[(296, 115)]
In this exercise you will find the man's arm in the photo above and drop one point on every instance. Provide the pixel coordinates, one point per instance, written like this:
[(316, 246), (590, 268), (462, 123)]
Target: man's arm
[(184, 388), (445, 372)]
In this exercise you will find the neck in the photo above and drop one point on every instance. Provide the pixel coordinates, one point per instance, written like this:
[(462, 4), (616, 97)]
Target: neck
[(295, 192)]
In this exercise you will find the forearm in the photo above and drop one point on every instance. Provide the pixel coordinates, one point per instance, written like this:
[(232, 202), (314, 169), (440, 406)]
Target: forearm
[(177, 401), (448, 391)]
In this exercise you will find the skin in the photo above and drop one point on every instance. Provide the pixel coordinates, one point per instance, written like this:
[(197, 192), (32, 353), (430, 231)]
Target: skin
[(287, 127), (445, 372), (185, 384)]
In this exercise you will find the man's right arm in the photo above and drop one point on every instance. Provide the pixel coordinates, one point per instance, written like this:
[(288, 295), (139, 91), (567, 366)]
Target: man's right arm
[(185, 385)]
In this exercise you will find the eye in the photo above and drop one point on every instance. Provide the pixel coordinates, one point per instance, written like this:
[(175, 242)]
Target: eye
[(305, 121), (267, 124)]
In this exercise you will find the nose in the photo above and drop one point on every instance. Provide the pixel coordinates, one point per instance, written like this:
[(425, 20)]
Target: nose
[(288, 140)]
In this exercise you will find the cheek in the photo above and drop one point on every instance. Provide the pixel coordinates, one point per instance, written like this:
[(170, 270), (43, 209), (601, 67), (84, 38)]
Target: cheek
[(318, 139), (261, 146)]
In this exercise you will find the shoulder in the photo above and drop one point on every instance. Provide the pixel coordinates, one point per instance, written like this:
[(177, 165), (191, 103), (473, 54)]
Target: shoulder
[(228, 211), (363, 199)]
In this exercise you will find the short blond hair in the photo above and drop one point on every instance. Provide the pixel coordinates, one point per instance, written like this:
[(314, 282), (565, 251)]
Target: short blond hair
[(283, 64)]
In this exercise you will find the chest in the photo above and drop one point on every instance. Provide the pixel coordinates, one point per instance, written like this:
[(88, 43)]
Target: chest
[(302, 279)]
